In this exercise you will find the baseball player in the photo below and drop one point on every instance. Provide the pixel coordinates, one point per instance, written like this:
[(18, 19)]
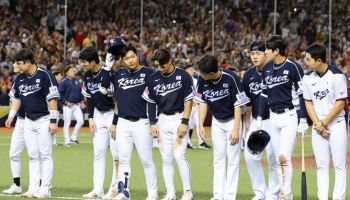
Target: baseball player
[(194, 121), (36, 91), (325, 95), (252, 87), (221, 90), (71, 97), (98, 89), (278, 77), (16, 148), (132, 124), (171, 89), (58, 76)]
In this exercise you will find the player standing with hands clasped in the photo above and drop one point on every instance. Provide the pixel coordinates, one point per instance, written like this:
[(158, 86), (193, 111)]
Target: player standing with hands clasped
[(221, 91), (36, 91), (325, 94), (252, 87), (171, 89), (278, 77), (98, 89), (131, 125)]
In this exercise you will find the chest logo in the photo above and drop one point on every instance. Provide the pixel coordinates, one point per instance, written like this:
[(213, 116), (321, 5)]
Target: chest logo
[(126, 83), (164, 89), (321, 94), (275, 81), (26, 90), (214, 95)]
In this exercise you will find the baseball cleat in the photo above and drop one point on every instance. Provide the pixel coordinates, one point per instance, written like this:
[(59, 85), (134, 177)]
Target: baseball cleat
[(14, 189), (91, 195), (189, 146), (257, 198), (187, 197), (152, 198), (28, 194), (74, 142), (125, 195), (111, 194), (169, 197), (41, 195), (204, 145)]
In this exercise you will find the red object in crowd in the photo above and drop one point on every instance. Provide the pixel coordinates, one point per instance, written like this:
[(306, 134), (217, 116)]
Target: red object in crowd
[(79, 37)]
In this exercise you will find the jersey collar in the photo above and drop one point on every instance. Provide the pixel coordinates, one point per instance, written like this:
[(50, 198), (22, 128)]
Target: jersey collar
[(217, 80), (36, 70)]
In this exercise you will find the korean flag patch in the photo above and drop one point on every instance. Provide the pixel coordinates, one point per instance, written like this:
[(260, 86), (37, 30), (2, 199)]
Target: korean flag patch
[(178, 77), (142, 75), (37, 80)]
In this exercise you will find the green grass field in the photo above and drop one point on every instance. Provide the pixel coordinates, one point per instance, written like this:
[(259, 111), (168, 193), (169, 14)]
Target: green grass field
[(73, 172)]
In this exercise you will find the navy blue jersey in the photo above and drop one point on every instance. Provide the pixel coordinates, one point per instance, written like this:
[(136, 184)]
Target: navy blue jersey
[(169, 92), (91, 89), (278, 81), (21, 113), (129, 87), (34, 92), (252, 86), (223, 95), (70, 90)]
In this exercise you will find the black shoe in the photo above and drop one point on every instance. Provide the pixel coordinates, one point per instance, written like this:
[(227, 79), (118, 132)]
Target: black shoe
[(189, 146), (74, 141), (204, 145)]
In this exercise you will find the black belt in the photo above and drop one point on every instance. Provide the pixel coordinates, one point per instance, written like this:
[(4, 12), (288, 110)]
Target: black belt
[(134, 119), (171, 113), (226, 119), (281, 110)]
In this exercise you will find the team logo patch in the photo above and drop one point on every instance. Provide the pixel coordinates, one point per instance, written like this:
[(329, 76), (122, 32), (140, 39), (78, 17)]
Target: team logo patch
[(285, 72), (225, 85), (142, 75), (37, 80), (321, 94), (197, 94), (178, 77), (241, 97)]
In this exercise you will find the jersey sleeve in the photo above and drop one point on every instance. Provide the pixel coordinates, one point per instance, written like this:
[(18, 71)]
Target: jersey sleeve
[(341, 90), (51, 89), (198, 97), (188, 88), (84, 90), (241, 97), (297, 77), (306, 90), (148, 93), (14, 94), (246, 89), (61, 90)]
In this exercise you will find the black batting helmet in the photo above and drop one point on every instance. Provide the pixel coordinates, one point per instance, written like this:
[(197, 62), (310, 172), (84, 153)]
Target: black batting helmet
[(257, 141), (115, 45)]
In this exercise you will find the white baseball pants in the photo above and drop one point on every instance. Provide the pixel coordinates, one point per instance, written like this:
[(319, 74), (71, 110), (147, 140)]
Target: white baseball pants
[(68, 112), (225, 182), (38, 141), (283, 131), (194, 122), (138, 133), (171, 147), (16, 147), (326, 148), (256, 171)]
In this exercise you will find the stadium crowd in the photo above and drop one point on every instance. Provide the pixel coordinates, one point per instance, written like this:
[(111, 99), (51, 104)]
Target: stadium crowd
[(183, 27)]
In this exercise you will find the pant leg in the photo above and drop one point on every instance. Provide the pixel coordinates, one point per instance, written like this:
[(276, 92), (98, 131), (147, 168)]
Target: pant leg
[(338, 146), (32, 145), (254, 166), (67, 118), (143, 143), (45, 140), (78, 115), (16, 147), (233, 157), (166, 150), (273, 189), (322, 157), (219, 148)]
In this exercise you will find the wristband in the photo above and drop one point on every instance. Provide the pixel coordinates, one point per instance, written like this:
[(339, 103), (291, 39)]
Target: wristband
[(115, 119), (184, 121), (53, 114), (12, 113)]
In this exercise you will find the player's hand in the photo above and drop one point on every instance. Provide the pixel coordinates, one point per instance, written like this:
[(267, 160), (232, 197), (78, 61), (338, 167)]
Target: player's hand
[(92, 126), (234, 136), (202, 133), (82, 105), (318, 126), (154, 131), (109, 61), (113, 131), (53, 128), (69, 104), (302, 127), (182, 130), (8, 122), (325, 133)]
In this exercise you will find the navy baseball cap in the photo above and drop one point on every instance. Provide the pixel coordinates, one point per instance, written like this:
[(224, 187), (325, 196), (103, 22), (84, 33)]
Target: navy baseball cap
[(115, 45), (162, 56), (257, 46)]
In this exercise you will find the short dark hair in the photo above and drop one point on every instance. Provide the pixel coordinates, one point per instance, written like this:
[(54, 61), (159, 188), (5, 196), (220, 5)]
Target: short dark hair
[(24, 55), (162, 56), (126, 49), (55, 73), (89, 54), (68, 68), (208, 64), (257, 46), (317, 51), (276, 42)]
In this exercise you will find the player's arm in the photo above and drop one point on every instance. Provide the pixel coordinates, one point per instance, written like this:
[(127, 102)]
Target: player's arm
[(247, 117), (188, 91), (15, 105), (113, 127), (53, 109)]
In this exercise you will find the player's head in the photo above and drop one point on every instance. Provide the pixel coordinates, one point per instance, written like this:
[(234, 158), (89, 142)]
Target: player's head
[(89, 58), (16, 68), (129, 56), (162, 59), (275, 45), (257, 53), (208, 67), (24, 59), (70, 71), (315, 55), (58, 75), (114, 46), (190, 69)]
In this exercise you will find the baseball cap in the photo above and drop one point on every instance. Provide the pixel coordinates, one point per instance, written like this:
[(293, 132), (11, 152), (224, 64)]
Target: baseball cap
[(162, 56), (115, 45)]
